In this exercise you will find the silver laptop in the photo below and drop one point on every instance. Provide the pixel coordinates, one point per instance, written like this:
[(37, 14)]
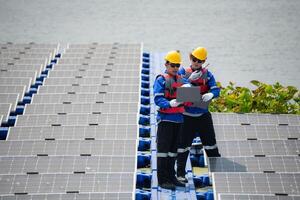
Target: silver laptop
[(188, 94), (191, 94)]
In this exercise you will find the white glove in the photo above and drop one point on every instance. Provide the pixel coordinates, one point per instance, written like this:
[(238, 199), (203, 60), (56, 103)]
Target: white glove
[(207, 97), (186, 85), (174, 103), (195, 75)]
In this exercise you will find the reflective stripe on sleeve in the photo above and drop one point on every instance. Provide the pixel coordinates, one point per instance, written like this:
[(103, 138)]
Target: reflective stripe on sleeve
[(181, 150), (159, 94), (210, 147)]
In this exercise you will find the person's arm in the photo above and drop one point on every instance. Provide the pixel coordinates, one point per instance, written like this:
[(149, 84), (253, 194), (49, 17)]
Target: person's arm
[(185, 81), (159, 91), (181, 72), (213, 88)]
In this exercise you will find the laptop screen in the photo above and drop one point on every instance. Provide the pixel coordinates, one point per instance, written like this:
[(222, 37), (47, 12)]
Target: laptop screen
[(188, 94)]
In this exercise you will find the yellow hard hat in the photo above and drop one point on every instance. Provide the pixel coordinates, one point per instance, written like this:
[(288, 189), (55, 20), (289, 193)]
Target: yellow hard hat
[(200, 53), (173, 57)]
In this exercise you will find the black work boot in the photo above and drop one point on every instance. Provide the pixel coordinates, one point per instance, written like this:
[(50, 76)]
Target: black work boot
[(163, 174), (181, 163), (178, 183), (162, 170), (168, 186), (172, 173), (182, 179)]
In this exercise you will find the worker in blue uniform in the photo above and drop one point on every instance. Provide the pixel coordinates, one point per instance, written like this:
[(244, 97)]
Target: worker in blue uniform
[(197, 119), (169, 119)]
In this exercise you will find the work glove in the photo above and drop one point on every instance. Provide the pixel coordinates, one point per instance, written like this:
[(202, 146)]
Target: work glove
[(207, 97), (174, 103), (195, 75), (186, 85)]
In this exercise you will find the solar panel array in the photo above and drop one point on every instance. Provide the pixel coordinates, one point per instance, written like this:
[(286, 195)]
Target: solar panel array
[(260, 156), (256, 197), (72, 98), (20, 65), (93, 81), (108, 131), (78, 137), (73, 196)]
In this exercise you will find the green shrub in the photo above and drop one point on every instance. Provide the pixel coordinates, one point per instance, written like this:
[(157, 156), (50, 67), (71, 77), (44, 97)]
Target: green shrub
[(264, 99)]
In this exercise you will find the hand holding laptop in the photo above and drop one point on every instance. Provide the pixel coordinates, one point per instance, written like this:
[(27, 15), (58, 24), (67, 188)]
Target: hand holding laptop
[(192, 94), (207, 97), (174, 103)]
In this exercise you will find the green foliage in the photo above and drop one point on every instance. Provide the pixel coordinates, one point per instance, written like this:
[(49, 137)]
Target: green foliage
[(264, 99)]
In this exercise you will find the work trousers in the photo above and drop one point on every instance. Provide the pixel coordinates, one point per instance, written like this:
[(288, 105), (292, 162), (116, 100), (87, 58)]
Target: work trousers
[(167, 138), (192, 125)]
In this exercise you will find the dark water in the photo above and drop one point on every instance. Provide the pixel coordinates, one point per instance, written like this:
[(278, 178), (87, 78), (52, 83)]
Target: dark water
[(246, 39)]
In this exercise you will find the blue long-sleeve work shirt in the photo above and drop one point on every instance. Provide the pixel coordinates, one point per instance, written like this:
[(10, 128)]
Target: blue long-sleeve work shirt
[(162, 102)]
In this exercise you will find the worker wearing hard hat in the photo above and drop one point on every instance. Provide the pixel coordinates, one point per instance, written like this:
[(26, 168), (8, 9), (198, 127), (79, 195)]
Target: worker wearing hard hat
[(170, 119), (197, 119)]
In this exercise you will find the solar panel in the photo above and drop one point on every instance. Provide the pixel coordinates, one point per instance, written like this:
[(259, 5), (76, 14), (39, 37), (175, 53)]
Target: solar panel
[(37, 68), (87, 54), (11, 99), (87, 89), (28, 51), (17, 74), (267, 119), (68, 148), (102, 56), (260, 132), (72, 196), (106, 54), (95, 50), (259, 147), (78, 74), (98, 50), (106, 46), (76, 119), (4, 111), (34, 109), (88, 67), (98, 74), (257, 183), (102, 131), (17, 81), (67, 164), (17, 89), (35, 61), (27, 55), (92, 53), (92, 81), (66, 183), (85, 98), (255, 164), (115, 60), (28, 46), (255, 197)]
